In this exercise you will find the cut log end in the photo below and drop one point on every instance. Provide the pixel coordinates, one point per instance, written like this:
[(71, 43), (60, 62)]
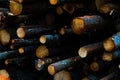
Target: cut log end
[(21, 50), (82, 52), (78, 26), (4, 37), (59, 10), (6, 62), (19, 1), (107, 56), (42, 39), (94, 66), (40, 64), (42, 52), (109, 45), (51, 70), (15, 8), (105, 9), (85, 78), (21, 32), (53, 2), (62, 75), (4, 75), (62, 31), (69, 8), (12, 41), (12, 46), (119, 66)]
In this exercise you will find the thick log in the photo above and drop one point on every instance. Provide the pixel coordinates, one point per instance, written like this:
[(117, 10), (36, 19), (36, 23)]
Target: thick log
[(8, 54), (55, 2), (34, 30), (4, 75), (16, 43), (112, 42), (109, 56), (91, 48), (17, 8), (44, 51), (87, 24), (43, 63), (111, 76), (27, 50), (4, 37), (60, 65), (62, 75)]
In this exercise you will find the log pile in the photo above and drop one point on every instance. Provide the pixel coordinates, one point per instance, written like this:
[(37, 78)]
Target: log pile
[(59, 40)]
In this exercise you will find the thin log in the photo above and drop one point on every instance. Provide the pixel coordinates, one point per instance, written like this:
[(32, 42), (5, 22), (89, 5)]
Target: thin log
[(27, 49), (34, 30), (60, 65), (55, 2), (112, 42), (16, 43), (42, 63), (87, 23), (62, 75), (17, 8), (109, 56), (91, 48), (8, 54)]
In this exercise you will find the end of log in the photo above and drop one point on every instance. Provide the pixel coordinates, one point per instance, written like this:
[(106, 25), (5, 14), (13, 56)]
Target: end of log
[(21, 50), (85, 78), (15, 8), (6, 62), (94, 66), (42, 39), (59, 10), (82, 52), (4, 37), (62, 31), (107, 56), (53, 2), (51, 70), (4, 75), (63, 75), (109, 45), (39, 64), (21, 32), (42, 51), (78, 26), (105, 9), (12, 46)]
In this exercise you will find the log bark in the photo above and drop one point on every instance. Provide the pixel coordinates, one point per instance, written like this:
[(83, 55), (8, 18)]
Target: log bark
[(86, 50), (112, 42), (60, 65)]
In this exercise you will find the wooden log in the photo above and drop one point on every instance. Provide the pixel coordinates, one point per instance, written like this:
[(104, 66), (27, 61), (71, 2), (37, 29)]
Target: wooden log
[(44, 39), (60, 65), (111, 76), (4, 37), (55, 2), (16, 43), (17, 8), (112, 42), (44, 51), (109, 56), (98, 66), (34, 30), (8, 54), (43, 63), (87, 23), (59, 10), (26, 1), (4, 75), (27, 50), (90, 77), (91, 48), (17, 61), (62, 75)]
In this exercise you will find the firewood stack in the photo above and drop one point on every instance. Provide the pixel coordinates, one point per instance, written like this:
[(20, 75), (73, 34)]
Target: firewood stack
[(59, 40)]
